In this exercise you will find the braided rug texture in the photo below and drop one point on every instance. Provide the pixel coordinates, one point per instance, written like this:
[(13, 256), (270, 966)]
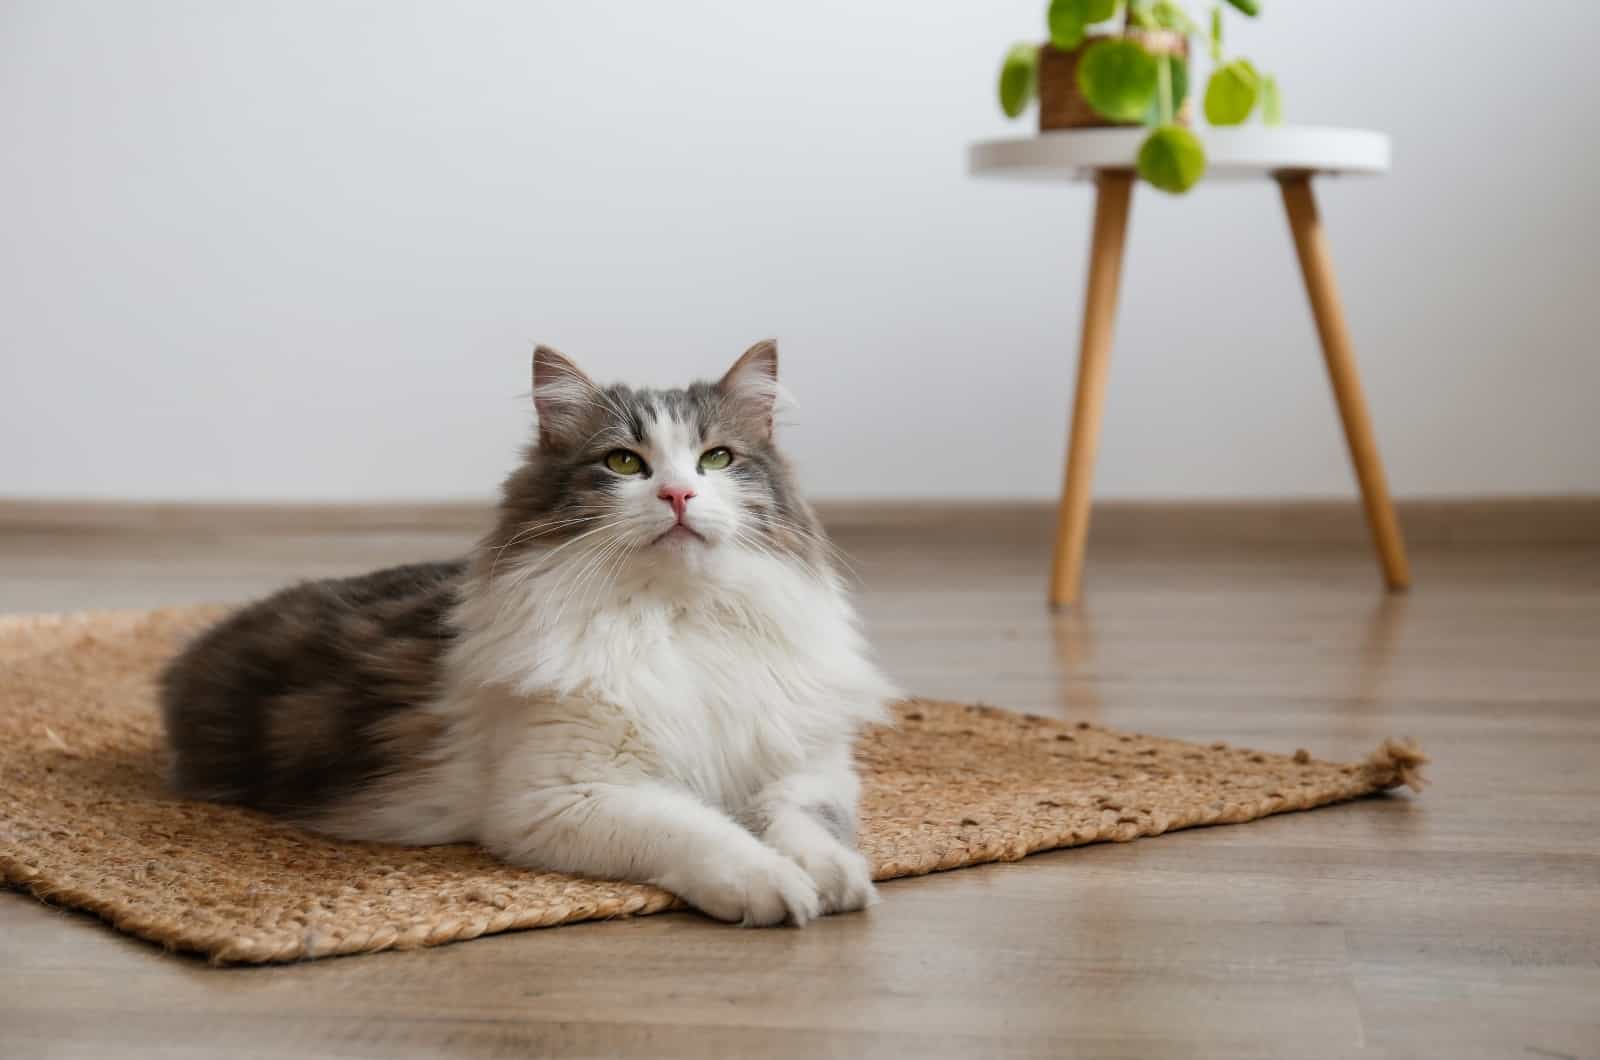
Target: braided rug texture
[(85, 821)]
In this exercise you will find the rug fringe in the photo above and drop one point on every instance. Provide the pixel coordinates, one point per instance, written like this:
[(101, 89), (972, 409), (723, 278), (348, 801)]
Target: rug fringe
[(1396, 763)]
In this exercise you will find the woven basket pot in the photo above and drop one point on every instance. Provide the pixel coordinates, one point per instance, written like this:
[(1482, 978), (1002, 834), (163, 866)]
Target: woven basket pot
[(1062, 106)]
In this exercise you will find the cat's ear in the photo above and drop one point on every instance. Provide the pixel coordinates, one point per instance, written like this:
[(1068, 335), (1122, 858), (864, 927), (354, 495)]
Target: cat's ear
[(562, 396), (750, 387)]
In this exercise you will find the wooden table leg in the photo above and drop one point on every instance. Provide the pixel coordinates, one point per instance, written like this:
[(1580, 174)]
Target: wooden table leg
[(1113, 190), (1316, 264)]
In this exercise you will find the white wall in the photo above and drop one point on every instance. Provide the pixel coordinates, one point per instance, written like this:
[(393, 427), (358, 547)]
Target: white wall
[(302, 249)]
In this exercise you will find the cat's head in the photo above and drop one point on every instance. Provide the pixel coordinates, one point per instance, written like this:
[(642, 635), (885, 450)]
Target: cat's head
[(656, 477)]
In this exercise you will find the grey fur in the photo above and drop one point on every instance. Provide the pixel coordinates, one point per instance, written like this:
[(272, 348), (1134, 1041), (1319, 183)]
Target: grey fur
[(838, 819)]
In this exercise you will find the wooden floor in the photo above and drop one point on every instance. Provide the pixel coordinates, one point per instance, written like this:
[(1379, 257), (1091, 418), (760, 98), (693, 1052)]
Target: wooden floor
[(1464, 923)]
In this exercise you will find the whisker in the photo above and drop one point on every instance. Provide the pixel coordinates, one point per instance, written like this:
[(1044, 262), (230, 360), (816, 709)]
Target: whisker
[(591, 564), (544, 556), (820, 539)]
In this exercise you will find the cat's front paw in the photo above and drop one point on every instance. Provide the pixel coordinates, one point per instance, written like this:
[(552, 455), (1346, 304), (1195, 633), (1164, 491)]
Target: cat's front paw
[(842, 875), (764, 891)]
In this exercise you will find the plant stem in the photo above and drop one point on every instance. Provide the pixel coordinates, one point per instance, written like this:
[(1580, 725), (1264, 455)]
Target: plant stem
[(1164, 89)]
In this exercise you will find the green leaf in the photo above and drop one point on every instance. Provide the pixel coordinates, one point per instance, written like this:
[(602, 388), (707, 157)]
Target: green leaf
[(1118, 78), (1100, 10), (1070, 19), (1271, 101), (1216, 34), (1066, 25), (1019, 79), (1178, 71), (1172, 159), (1231, 92), (1249, 7), (1169, 14)]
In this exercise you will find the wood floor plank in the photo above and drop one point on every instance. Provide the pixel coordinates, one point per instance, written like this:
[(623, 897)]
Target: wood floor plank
[(1463, 923)]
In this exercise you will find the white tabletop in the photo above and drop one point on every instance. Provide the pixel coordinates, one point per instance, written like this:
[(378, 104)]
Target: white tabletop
[(1243, 153)]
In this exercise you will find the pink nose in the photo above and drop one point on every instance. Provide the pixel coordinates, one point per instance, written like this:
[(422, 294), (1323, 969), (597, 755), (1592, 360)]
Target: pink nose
[(678, 497)]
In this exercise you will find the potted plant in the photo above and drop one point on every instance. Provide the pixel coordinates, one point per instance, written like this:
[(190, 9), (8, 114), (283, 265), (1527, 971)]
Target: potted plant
[(1095, 72)]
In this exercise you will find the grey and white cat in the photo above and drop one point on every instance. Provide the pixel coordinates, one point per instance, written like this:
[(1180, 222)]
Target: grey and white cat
[(649, 670)]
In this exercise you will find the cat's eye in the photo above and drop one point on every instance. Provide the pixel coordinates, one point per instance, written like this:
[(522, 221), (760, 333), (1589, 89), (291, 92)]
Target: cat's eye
[(623, 462), (715, 459)]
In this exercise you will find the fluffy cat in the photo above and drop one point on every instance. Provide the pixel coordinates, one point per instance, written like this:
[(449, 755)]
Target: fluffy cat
[(649, 670)]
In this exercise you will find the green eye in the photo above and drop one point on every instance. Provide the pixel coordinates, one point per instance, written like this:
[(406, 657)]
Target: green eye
[(715, 459), (623, 462)]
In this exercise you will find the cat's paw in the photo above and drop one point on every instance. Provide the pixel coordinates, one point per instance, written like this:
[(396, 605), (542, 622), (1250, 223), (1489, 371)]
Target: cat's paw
[(844, 880), (842, 875), (764, 891)]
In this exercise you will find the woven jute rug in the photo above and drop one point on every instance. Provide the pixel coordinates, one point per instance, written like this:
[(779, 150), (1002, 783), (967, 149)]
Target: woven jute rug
[(85, 821)]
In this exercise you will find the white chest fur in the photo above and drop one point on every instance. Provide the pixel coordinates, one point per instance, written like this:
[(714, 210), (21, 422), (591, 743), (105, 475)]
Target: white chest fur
[(719, 684), (720, 708)]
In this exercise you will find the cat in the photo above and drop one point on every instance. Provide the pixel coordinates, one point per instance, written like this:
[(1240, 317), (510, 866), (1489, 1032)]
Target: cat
[(650, 669)]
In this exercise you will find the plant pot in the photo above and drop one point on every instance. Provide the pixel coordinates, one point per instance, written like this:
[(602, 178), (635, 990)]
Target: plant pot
[(1062, 106)]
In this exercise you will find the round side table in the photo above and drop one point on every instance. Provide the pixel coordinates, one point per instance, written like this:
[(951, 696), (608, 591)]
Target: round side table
[(1290, 155)]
